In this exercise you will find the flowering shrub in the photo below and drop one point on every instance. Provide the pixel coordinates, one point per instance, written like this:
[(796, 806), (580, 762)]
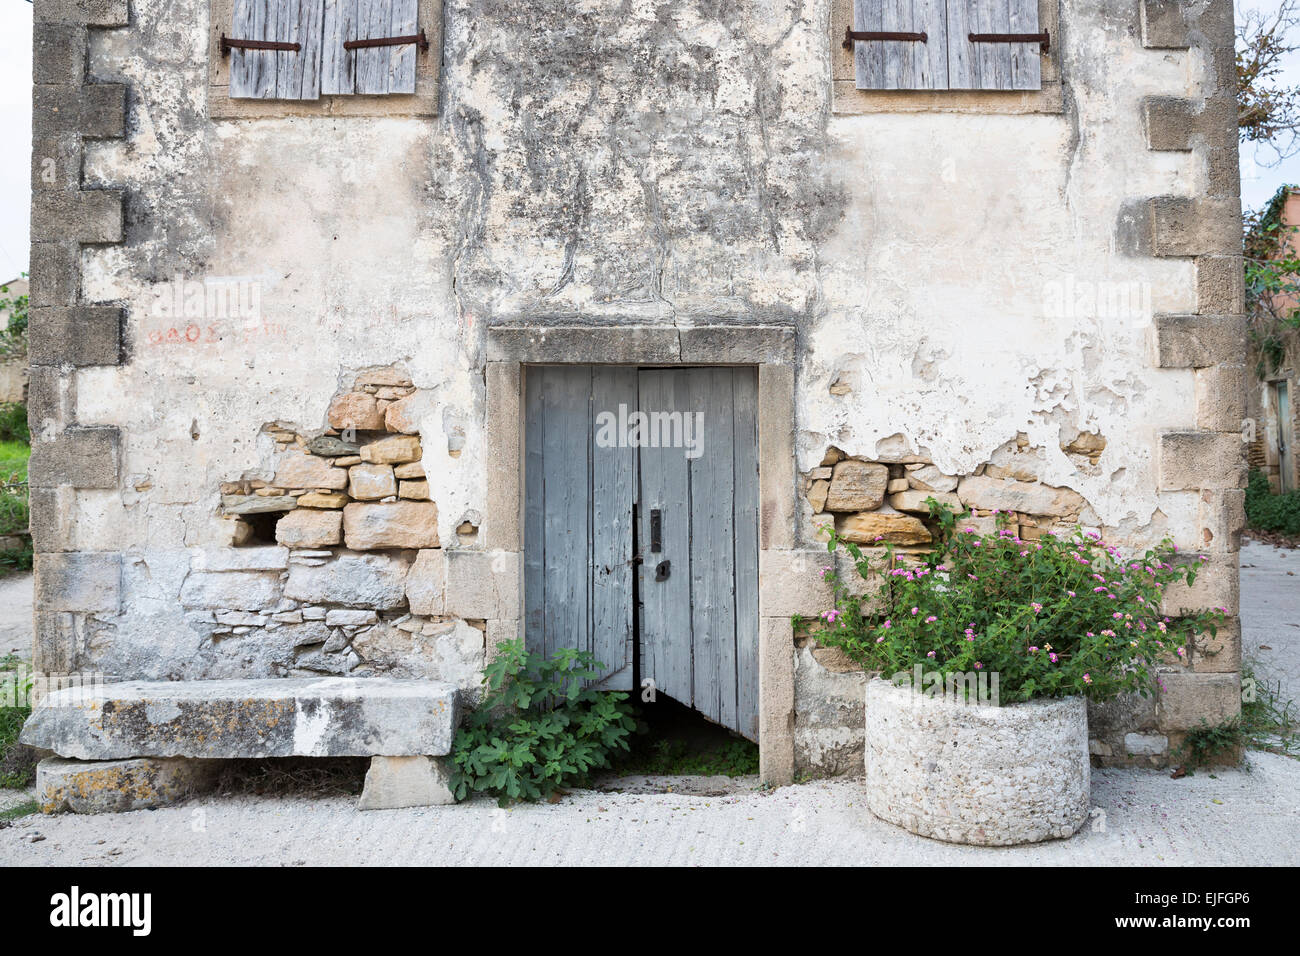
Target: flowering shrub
[(1061, 616)]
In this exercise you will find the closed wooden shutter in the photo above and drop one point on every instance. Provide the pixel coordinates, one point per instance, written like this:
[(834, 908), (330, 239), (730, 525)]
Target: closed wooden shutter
[(901, 64), (369, 70), (993, 65), (276, 74)]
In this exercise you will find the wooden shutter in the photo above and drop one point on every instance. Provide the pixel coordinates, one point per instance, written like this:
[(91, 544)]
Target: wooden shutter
[(370, 70), (276, 74), (995, 65), (901, 64)]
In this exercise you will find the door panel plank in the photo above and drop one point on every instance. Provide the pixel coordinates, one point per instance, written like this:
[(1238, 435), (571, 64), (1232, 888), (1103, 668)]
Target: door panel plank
[(613, 473), (712, 547), (665, 605)]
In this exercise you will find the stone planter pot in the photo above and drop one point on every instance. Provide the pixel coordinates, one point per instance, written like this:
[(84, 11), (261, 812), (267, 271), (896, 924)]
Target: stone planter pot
[(984, 775)]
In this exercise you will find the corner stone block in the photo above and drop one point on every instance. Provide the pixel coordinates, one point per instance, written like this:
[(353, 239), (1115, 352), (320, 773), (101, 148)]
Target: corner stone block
[(116, 786), (1220, 285), (58, 53), (1182, 226), (791, 582), (94, 13), (484, 584), (1187, 699), (80, 457), (1192, 460), (81, 335), (89, 582), (1221, 397), (1217, 586), (55, 274), (396, 782), (95, 111), (1219, 653), (1198, 341), (1221, 519), (1164, 25), (85, 216)]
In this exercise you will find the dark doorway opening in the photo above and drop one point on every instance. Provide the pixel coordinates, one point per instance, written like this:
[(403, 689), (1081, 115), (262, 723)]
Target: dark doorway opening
[(677, 740)]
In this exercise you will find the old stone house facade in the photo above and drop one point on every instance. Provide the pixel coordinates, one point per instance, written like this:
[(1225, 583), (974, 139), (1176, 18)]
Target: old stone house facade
[(303, 350), (1275, 380)]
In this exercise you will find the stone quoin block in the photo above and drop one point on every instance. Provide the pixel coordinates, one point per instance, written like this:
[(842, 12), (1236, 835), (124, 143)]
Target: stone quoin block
[(1221, 517), (95, 111), (1183, 226), (117, 786), (85, 216), (86, 581), (95, 13), (80, 457), (1191, 460), (1173, 123), (1221, 397), (1198, 341), (58, 53), (275, 717), (55, 274), (48, 402), (1189, 698), (1220, 285), (1217, 585), (82, 335), (1164, 25), (51, 518), (1218, 653)]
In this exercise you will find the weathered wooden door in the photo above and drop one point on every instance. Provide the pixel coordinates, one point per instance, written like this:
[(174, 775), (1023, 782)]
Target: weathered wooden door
[(677, 449), (699, 506)]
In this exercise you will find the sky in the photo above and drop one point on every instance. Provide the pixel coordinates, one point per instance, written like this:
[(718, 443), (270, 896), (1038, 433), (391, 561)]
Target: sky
[(1259, 179)]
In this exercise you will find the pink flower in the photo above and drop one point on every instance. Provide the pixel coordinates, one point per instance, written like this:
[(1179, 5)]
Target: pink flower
[(1052, 657), (888, 624), (931, 619), (1036, 606), (913, 610), (930, 654), (1033, 650), (978, 665), (1087, 678)]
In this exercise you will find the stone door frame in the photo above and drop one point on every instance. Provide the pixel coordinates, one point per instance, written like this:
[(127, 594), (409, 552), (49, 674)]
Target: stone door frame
[(787, 575)]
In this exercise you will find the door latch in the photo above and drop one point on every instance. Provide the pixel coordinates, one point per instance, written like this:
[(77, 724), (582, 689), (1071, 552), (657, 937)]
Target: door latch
[(663, 569), (656, 531)]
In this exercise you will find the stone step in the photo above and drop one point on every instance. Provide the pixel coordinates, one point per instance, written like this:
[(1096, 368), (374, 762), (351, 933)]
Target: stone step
[(291, 717)]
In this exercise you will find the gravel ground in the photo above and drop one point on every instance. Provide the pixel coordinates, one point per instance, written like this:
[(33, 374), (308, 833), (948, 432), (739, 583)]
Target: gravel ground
[(16, 615), (1239, 817), (1270, 613)]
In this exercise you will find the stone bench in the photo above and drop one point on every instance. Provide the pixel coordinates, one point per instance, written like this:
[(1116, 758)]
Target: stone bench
[(143, 743)]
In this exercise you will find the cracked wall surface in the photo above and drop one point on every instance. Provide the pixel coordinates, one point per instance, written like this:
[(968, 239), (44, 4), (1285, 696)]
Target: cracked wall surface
[(954, 281)]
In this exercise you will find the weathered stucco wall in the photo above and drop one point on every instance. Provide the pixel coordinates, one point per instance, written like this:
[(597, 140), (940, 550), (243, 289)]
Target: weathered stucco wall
[(635, 163)]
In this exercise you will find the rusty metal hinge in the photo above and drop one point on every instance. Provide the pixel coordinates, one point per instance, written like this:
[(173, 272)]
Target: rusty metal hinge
[(1040, 38), (850, 35), (229, 43), (419, 39)]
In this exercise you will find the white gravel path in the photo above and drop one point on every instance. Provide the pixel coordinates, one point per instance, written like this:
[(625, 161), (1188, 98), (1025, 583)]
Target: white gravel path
[(1270, 613), (16, 615), (1239, 817)]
